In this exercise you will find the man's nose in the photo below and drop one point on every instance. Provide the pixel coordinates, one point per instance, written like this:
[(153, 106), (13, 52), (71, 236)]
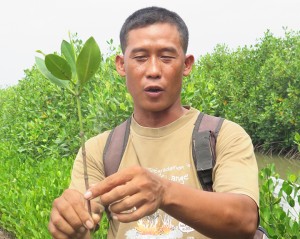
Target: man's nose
[(154, 68)]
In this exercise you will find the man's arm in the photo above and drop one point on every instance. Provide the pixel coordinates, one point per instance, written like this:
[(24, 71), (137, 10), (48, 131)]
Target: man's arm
[(217, 215)]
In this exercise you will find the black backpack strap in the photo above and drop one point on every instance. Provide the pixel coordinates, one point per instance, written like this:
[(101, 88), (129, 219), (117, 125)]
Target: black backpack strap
[(261, 233), (204, 138), (115, 147), (204, 141)]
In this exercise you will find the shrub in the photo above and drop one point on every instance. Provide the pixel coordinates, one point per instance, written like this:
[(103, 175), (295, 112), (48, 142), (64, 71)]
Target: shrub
[(273, 198), (258, 87), (28, 189)]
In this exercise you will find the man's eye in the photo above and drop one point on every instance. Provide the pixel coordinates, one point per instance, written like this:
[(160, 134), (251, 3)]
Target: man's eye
[(167, 58), (140, 58)]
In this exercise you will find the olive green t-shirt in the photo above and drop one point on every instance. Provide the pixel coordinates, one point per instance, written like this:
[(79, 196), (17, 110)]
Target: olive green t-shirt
[(167, 152)]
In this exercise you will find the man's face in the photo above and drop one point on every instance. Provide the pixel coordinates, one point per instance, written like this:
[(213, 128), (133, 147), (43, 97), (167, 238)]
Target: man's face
[(154, 64)]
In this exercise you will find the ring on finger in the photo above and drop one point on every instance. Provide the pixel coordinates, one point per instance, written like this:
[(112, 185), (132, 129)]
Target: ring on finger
[(130, 210)]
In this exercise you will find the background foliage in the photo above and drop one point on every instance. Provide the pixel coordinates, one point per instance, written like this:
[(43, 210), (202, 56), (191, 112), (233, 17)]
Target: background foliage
[(256, 86), (272, 215)]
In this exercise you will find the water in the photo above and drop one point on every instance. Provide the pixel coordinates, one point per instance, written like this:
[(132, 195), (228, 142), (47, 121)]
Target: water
[(283, 166)]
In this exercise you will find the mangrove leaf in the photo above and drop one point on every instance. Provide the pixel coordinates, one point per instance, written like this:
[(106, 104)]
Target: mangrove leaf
[(68, 52), (88, 61), (40, 63), (58, 67)]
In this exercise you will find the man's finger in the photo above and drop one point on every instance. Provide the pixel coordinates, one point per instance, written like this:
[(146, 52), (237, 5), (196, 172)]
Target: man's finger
[(132, 215), (60, 223), (68, 212), (83, 216), (125, 205), (56, 233), (73, 210), (111, 182)]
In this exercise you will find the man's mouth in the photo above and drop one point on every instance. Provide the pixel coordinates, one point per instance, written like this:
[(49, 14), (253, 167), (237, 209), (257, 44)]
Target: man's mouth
[(153, 89)]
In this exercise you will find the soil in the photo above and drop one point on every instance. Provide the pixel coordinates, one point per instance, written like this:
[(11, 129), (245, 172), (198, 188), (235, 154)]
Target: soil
[(5, 235)]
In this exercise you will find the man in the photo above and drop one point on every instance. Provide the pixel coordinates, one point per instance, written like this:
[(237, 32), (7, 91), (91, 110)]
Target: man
[(156, 193)]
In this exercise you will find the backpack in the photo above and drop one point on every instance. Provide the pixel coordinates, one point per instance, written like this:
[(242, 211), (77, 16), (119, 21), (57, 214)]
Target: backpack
[(204, 138)]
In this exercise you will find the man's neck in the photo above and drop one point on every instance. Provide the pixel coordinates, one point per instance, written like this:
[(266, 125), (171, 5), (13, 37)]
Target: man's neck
[(158, 119)]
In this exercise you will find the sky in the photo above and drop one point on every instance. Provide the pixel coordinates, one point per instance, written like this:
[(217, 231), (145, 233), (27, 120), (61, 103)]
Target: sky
[(27, 26)]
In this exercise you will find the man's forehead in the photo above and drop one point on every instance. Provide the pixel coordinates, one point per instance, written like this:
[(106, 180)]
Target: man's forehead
[(158, 35), (158, 30), (158, 24)]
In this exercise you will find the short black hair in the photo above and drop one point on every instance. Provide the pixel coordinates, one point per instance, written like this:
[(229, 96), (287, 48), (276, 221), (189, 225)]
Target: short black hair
[(152, 15)]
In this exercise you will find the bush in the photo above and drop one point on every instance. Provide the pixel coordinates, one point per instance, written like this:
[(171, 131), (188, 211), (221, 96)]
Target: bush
[(279, 223), (28, 189), (38, 118), (258, 87)]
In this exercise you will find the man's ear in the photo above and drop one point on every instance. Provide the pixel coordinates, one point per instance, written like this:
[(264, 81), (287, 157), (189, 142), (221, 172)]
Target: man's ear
[(189, 62), (120, 65)]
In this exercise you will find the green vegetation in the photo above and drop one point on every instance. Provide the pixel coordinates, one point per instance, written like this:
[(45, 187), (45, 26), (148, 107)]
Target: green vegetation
[(273, 217), (72, 72), (256, 86)]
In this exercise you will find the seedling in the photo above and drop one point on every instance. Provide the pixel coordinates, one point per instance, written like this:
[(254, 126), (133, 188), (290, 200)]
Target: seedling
[(72, 72)]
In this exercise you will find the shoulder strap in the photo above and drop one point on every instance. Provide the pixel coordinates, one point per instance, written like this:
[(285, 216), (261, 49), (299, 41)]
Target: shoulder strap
[(204, 138), (115, 147)]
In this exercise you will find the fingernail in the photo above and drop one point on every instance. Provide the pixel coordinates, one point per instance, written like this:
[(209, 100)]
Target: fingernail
[(88, 194), (96, 217), (89, 224), (115, 218)]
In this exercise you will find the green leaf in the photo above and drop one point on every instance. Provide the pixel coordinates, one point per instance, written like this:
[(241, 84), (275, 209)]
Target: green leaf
[(40, 63), (292, 178), (287, 188), (39, 51), (291, 201), (88, 61), (277, 201), (58, 67), (68, 52)]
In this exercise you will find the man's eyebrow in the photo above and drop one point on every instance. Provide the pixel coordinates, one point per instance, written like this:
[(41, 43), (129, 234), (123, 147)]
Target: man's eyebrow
[(165, 49), (138, 49), (169, 49)]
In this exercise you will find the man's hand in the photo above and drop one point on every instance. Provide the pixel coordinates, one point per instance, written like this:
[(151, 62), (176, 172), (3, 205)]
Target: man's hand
[(70, 218), (130, 194)]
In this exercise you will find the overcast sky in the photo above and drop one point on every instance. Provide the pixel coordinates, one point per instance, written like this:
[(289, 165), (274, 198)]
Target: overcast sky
[(30, 25)]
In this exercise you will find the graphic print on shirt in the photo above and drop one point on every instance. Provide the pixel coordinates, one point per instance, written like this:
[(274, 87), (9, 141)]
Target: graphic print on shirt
[(161, 225)]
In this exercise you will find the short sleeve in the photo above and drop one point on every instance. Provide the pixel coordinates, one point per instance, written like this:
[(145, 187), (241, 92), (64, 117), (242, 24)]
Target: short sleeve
[(236, 168)]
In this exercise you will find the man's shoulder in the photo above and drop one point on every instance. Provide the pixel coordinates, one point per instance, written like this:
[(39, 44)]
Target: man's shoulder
[(98, 140), (232, 134), (231, 127), (227, 126)]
